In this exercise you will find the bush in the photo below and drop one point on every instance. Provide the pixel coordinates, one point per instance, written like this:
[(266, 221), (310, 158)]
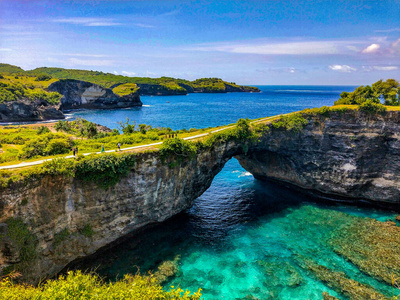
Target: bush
[(293, 122), (22, 238), (178, 149), (58, 146), (59, 166), (105, 170), (89, 286), (371, 107), (43, 129), (43, 77)]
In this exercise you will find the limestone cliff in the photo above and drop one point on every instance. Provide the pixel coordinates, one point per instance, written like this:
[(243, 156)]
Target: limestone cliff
[(349, 154), (25, 110), (82, 94)]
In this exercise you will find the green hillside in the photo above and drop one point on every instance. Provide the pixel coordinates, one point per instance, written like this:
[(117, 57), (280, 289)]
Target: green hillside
[(147, 85)]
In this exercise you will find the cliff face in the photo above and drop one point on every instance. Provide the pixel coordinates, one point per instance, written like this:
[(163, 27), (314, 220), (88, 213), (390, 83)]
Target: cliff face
[(57, 209), (82, 94), (17, 111), (351, 155)]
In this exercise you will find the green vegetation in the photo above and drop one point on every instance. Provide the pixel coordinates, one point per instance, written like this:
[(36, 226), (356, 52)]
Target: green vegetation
[(372, 107), (123, 85), (89, 286), (17, 92), (87, 230), (61, 236), (125, 89), (387, 91), (177, 149), (22, 238), (105, 170)]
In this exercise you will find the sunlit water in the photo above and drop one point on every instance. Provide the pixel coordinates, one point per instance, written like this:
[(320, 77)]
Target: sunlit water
[(242, 237)]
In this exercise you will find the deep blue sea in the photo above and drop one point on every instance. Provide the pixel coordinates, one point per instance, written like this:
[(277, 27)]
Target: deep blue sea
[(241, 238)]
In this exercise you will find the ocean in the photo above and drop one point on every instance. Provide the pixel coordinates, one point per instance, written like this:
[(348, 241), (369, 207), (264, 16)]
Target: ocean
[(243, 238)]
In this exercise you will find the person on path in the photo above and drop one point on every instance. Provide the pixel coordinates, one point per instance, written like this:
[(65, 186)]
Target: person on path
[(76, 150), (119, 146), (102, 148), (73, 151)]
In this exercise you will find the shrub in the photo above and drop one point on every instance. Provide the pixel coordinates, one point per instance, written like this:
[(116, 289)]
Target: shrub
[(23, 239), (58, 146), (43, 129), (76, 285), (293, 122), (371, 107), (87, 230), (43, 77), (178, 149), (59, 166), (105, 170)]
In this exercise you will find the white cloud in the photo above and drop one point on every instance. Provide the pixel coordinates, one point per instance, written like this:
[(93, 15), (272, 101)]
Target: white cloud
[(116, 73), (342, 68), (388, 30), (90, 62), (385, 68), (5, 49), (91, 22), (144, 25), (126, 73), (270, 47), (373, 48)]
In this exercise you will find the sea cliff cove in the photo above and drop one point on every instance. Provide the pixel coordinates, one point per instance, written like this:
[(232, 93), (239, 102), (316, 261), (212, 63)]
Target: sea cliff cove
[(130, 170)]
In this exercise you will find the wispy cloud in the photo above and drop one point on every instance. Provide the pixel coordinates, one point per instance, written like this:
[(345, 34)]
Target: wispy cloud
[(91, 22), (90, 62), (6, 49), (144, 25), (263, 47), (373, 48), (388, 30), (385, 68), (126, 73), (342, 68)]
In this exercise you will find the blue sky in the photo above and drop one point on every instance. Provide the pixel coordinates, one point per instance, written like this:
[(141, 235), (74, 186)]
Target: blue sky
[(248, 42)]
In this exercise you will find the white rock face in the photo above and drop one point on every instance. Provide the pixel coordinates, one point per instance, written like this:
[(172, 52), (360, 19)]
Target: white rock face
[(92, 93)]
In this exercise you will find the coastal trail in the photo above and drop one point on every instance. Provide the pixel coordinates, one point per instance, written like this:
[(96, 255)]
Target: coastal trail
[(134, 148)]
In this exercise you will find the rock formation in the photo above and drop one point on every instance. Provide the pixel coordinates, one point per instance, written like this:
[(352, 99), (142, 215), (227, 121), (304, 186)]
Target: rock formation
[(349, 154), (82, 94), (25, 110)]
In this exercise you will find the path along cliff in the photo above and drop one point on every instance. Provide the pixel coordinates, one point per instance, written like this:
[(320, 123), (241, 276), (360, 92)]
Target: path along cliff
[(337, 154)]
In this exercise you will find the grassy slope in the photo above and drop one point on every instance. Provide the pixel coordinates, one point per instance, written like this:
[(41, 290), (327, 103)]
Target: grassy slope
[(111, 80)]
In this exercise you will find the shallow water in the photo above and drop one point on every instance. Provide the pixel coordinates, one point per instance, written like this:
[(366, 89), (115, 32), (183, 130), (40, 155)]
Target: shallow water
[(242, 237)]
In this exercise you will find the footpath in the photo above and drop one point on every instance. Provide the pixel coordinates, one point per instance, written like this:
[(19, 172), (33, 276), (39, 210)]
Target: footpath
[(39, 162)]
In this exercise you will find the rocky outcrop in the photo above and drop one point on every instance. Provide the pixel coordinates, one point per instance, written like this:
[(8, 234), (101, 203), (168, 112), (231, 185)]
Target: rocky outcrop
[(25, 110), (82, 94), (347, 155), (58, 209), (350, 155)]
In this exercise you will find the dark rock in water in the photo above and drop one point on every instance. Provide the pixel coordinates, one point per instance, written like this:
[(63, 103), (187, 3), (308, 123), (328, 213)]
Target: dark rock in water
[(158, 90), (82, 94), (371, 245), (25, 110), (342, 284), (326, 296)]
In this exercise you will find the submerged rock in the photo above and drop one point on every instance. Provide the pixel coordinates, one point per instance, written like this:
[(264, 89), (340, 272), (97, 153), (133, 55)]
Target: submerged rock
[(341, 283), (371, 245)]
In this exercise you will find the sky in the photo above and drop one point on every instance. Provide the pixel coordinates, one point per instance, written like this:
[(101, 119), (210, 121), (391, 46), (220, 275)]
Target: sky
[(312, 42)]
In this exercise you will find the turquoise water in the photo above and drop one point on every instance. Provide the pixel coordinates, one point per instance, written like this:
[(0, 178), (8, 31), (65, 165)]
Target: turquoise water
[(242, 237)]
